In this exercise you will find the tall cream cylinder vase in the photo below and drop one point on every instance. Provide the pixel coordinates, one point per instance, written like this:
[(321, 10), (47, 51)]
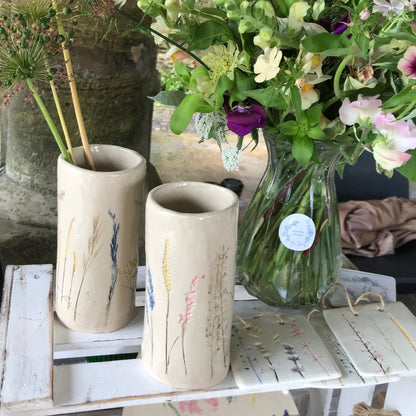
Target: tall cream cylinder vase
[(191, 231), (99, 216)]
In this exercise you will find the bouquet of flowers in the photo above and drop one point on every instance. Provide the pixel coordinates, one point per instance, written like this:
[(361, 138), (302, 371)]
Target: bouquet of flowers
[(340, 71), (325, 80)]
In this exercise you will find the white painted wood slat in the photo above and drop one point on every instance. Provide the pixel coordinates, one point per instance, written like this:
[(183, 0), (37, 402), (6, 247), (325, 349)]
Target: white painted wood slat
[(27, 380), (72, 344), (4, 318)]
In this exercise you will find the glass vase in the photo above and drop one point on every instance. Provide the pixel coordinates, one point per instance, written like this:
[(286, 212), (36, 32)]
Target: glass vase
[(289, 243)]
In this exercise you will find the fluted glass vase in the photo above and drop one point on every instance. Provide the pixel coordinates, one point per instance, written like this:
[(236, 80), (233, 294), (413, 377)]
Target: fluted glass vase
[(289, 243)]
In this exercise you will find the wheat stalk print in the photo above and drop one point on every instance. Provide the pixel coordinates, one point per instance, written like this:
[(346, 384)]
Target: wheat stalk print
[(113, 254), (89, 257), (168, 286), (219, 295), (68, 239), (190, 300), (128, 275), (74, 269)]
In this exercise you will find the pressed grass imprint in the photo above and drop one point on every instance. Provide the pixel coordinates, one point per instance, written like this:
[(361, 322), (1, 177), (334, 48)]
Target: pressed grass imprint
[(217, 325), (68, 239), (168, 286), (89, 257)]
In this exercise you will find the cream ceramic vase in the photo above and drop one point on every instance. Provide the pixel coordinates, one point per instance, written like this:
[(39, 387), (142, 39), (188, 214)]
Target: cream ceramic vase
[(191, 232), (99, 214)]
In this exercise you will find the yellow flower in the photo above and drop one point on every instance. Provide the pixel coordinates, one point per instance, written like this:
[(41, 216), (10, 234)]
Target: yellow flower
[(267, 65), (221, 60)]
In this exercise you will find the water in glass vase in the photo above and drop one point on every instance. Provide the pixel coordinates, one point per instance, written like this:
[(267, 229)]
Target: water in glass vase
[(289, 243)]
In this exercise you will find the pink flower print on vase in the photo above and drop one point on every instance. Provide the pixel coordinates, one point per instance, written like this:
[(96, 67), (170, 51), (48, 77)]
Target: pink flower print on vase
[(184, 319)]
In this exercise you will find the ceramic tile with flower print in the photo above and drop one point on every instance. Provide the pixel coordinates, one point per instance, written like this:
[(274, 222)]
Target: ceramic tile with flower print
[(265, 352), (378, 343)]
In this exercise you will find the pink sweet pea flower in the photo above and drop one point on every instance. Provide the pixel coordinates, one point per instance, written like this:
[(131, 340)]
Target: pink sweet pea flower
[(395, 138), (389, 159), (399, 135), (408, 63), (360, 111)]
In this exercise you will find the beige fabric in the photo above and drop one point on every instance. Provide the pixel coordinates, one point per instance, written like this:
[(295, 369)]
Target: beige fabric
[(375, 228), (363, 409)]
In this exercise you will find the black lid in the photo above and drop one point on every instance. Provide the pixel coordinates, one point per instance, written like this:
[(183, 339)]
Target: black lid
[(233, 184)]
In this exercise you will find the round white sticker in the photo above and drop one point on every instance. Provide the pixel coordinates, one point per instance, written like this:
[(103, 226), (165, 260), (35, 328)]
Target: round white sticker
[(297, 232)]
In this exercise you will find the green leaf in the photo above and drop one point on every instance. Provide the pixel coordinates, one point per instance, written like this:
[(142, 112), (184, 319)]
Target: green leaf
[(255, 137), (182, 116), (289, 128), (363, 43), (206, 33), (199, 71), (224, 84), (182, 73), (296, 101), (268, 98), (328, 44), (171, 98), (405, 96), (314, 114), (316, 133), (302, 149), (214, 12), (204, 107), (242, 84), (409, 168)]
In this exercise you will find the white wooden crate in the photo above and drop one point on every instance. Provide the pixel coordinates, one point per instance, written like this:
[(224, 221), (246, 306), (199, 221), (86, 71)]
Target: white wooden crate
[(33, 344), (32, 383)]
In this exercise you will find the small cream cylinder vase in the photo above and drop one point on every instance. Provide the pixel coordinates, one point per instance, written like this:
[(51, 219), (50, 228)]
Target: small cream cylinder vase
[(99, 215), (191, 232)]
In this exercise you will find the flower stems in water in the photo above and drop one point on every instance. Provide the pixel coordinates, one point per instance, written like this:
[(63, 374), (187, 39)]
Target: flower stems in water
[(269, 269)]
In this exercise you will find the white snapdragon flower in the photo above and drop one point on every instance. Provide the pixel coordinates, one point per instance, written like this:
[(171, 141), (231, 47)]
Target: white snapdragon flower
[(160, 26), (297, 12), (120, 3), (267, 64), (231, 157)]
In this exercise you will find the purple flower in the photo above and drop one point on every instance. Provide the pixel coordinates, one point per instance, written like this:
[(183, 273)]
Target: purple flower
[(340, 26), (408, 63), (243, 120)]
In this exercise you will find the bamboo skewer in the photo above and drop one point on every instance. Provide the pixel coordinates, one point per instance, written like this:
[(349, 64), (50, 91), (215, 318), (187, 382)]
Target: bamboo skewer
[(74, 94)]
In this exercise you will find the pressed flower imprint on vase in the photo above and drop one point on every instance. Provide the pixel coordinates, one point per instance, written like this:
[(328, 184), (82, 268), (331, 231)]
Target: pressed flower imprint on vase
[(75, 273), (176, 328)]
